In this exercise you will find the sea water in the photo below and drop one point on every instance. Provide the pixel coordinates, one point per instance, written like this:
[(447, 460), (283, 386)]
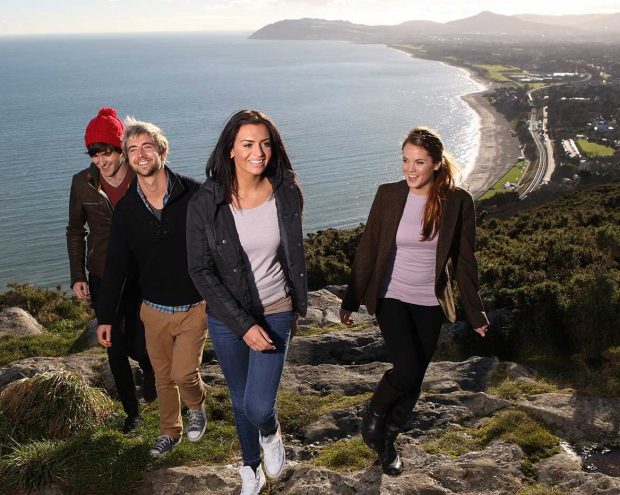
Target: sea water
[(342, 110)]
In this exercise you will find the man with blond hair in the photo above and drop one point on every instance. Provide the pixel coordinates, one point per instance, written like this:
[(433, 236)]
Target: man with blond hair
[(148, 228)]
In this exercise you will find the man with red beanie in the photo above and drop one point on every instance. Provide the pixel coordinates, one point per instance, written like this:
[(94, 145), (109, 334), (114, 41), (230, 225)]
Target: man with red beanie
[(95, 191)]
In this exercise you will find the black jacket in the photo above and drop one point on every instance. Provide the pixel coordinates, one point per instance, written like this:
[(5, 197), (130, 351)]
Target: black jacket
[(157, 248), (215, 260)]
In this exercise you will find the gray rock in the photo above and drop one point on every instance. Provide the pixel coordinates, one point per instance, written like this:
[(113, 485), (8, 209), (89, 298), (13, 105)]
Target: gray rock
[(496, 469), (578, 419), (351, 347), (472, 375), (564, 470), (197, 480), (329, 378), (18, 323), (338, 290), (92, 367), (88, 338), (324, 309), (334, 425)]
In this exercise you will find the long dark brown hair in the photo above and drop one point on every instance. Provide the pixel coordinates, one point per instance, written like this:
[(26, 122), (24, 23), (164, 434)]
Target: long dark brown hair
[(221, 167), (444, 179)]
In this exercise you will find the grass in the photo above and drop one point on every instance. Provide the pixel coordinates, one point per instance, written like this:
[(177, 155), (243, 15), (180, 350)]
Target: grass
[(103, 461), (513, 176), (346, 456), (511, 426), (63, 316), (53, 405), (539, 489), (498, 73), (514, 389), (296, 411), (594, 149)]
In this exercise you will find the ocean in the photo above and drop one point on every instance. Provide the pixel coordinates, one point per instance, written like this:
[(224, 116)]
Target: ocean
[(341, 108)]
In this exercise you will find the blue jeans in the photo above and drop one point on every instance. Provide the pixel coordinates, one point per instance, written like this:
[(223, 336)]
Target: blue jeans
[(253, 379)]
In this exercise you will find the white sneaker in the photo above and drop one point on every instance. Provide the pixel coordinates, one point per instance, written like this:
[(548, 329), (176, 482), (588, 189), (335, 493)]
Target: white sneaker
[(196, 423), (251, 483), (273, 453)]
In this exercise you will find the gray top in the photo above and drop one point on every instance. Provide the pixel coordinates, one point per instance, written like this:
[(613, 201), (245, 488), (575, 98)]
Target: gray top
[(259, 235)]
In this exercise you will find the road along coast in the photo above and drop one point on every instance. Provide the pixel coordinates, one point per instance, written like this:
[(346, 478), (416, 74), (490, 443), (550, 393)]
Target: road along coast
[(499, 147)]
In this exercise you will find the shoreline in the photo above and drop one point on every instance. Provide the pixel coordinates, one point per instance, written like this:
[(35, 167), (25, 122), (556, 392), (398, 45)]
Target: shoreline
[(498, 148)]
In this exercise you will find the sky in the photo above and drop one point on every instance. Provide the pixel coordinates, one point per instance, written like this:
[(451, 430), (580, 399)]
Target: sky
[(125, 16)]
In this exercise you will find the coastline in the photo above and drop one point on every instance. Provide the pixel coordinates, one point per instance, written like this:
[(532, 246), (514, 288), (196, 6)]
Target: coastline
[(498, 149)]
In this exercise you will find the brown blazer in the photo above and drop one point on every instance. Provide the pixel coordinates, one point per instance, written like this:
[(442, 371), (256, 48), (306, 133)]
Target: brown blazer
[(455, 253)]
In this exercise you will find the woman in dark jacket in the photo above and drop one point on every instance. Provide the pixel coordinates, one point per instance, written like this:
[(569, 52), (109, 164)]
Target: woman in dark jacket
[(246, 258), (420, 232)]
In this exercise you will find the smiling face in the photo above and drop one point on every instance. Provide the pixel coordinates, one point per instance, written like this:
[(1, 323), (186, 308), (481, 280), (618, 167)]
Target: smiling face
[(144, 156), (108, 162), (419, 168), (251, 150)]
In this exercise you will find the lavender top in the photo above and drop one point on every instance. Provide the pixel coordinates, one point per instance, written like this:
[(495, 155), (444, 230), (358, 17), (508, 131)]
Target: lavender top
[(411, 272), (259, 234)]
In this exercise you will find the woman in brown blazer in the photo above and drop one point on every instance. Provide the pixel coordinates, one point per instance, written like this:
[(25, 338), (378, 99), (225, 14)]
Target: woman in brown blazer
[(420, 233)]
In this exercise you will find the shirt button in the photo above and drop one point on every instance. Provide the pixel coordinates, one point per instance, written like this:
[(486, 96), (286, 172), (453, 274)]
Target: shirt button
[(301, 275), (234, 270), (223, 241)]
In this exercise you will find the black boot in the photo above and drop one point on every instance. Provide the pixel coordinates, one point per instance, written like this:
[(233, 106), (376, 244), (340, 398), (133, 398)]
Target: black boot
[(373, 429), (395, 420), (389, 458)]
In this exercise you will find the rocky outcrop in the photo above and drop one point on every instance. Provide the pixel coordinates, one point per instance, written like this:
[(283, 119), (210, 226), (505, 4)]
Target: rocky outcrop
[(92, 367), (565, 471), (350, 362), (324, 309), (350, 347), (578, 419), (18, 323)]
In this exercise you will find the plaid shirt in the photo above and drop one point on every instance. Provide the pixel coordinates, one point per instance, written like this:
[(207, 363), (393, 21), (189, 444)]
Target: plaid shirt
[(169, 310)]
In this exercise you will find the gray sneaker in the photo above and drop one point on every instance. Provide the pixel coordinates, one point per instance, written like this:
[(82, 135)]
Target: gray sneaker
[(163, 444), (196, 423)]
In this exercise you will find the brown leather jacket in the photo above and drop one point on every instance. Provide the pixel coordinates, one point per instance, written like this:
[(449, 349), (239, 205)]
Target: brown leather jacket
[(455, 253), (88, 205)]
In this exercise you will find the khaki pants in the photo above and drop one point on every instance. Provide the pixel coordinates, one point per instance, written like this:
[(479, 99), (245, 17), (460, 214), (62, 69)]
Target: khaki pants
[(174, 344)]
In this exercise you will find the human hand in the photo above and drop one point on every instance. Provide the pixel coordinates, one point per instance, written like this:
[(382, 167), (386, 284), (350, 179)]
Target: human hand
[(103, 335), (345, 317), (258, 339), (482, 331), (81, 290)]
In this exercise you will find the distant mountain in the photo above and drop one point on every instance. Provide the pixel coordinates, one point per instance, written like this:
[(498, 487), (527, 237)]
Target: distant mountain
[(603, 27), (562, 20), (488, 23)]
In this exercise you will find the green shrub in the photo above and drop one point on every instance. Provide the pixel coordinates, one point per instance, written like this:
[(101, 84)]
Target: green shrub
[(346, 455), (53, 405), (34, 465), (45, 305)]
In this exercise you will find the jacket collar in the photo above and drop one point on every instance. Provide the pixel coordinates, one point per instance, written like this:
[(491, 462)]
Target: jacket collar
[(94, 176)]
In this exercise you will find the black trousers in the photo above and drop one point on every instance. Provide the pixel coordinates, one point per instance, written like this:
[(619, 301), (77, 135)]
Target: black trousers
[(410, 332), (128, 341)]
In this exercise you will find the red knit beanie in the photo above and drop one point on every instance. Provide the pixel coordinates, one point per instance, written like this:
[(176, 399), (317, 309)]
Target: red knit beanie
[(106, 127)]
